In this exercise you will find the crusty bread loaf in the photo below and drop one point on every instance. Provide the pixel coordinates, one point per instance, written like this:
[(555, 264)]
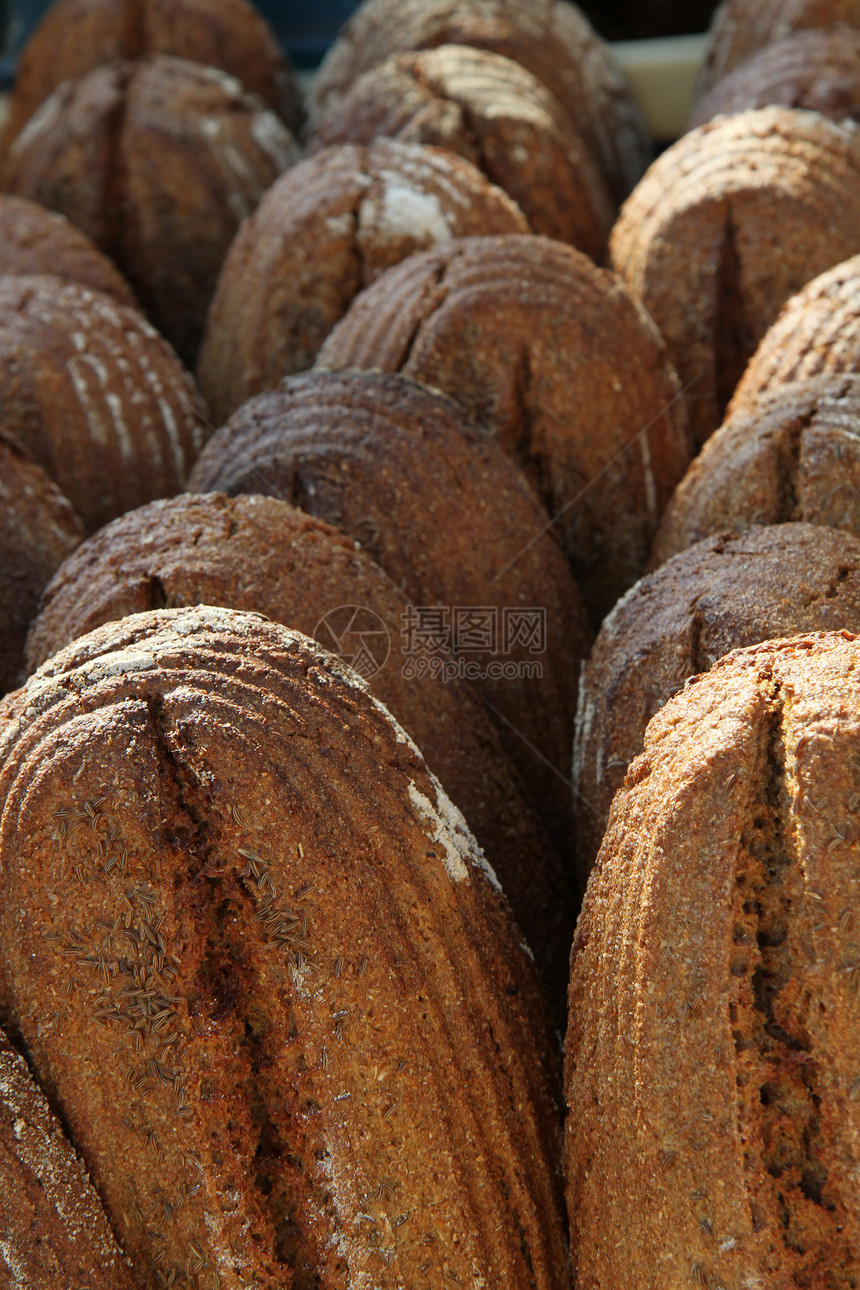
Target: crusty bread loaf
[(158, 161), (728, 224), (452, 522), (793, 455), (497, 115), (817, 333), (552, 356), (551, 38), (75, 36), (258, 553), (740, 27), (721, 594), (95, 395), (55, 1234), (818, 70), (326, 230), (34, 240), (264, 972), (713, 1047), (38, 530)]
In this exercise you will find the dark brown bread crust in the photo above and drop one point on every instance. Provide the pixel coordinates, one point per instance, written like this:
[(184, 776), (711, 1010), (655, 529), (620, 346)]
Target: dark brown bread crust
[(55, 1234), (741, 27), (792, 456), (728, 224), (722, 594), (77, 35), (158, 161), (38, 530), (817, 333), (258, 553), (95, 396), (553, 357), (262, 969), (497, 115), (35, 240), (818, 70), (551, 39), (324, 232), (450, 520), (713, 1046)]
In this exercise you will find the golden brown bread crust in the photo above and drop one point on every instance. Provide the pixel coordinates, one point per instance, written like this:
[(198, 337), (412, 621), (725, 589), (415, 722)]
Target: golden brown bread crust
[(566, 371), (728, 224), (497, 115), (264, 972), (793, 455), (713, 1046), (817, 333), (95, 396), (38, 530), (324, 232), (34, 240), (158, 161), (75, 36), (55, 1233), (741, 27), (258, 553), (552, 40), (451, 521), (818, 70), (722, 594)]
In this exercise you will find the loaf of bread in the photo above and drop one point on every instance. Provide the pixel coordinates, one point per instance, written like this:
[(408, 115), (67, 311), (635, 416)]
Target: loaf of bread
[(265, 974), (721, 594), (55, 1234), (451, 521), (158, 161), (741, 27), (792, 456), (817, 69), (551, 38), (75, 36), (326, 230), (553, 357), (817, 333), (38, 530), (259, 553), (713, 1048), (95, 396), (34, 240), (728, 224), (495, 113)]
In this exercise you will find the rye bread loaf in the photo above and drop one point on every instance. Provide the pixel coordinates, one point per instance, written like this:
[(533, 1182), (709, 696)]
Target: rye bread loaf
[(818, 70), (741, 27), (793, 456), (38, 530), (266, 975), (34, 240), (324, 232), (713, 1045), (728, 224), (817, 333), (722, 594), (158, 161), (553, 357), (74, 36), (260, 554), (55, 1234), (497, 115), (550, 38), (95, 396), (451, 521)]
